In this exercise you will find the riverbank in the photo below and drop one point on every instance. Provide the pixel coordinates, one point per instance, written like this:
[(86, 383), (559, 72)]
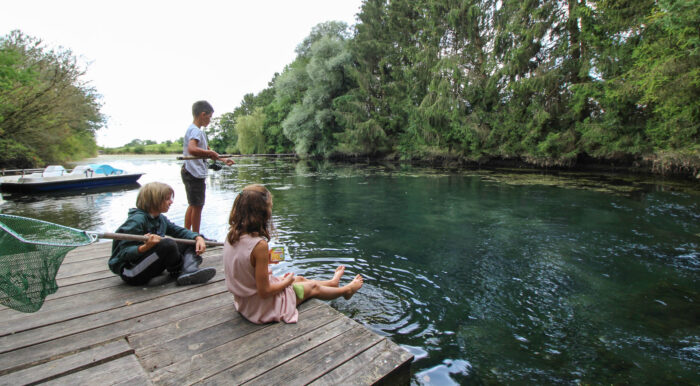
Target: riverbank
[(665, 165), (686, 168)]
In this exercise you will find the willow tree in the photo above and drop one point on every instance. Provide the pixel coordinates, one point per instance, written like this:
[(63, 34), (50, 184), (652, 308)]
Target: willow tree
[(250, 132), (47, 112), (317, 77)]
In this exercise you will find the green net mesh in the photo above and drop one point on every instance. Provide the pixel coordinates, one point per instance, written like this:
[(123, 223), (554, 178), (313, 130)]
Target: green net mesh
[(31, 251)]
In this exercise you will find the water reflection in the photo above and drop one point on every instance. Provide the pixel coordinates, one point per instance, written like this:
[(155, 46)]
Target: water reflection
[(485, 276)]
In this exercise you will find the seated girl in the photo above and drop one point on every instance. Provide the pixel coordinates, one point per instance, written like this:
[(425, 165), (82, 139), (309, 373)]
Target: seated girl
[(258, 295)]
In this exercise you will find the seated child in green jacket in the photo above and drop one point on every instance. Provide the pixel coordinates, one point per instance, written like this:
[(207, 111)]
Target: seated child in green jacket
[(138, 262)]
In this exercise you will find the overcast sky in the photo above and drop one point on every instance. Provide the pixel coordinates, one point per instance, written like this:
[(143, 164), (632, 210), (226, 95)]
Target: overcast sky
[(150, 60)]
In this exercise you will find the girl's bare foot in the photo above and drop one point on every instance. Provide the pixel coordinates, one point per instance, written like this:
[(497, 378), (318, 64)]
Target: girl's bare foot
[(354, 286), (337, 275)]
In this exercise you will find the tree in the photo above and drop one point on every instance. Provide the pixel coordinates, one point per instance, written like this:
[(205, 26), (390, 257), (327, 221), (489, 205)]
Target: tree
[(222, 134), (666, 74), (550, 82), (312, 83), (46, 111), (250, 132)]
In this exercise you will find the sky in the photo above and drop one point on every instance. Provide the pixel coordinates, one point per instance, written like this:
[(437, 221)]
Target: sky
[(151, 59)]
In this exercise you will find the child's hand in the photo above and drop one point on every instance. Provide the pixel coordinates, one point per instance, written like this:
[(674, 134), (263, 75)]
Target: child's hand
[(200, 245), (288, 278), (152, 240)]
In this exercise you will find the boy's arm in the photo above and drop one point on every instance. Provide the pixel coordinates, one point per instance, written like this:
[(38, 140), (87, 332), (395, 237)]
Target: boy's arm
[(197, 151)]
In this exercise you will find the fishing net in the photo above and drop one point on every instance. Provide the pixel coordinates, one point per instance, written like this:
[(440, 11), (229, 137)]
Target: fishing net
[(31, 251)]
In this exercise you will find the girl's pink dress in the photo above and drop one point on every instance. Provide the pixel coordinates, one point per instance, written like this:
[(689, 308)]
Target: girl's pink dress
[(240, 280)]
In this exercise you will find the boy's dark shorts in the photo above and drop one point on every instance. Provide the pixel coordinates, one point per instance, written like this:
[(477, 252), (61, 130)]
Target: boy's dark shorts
[(194, 187)]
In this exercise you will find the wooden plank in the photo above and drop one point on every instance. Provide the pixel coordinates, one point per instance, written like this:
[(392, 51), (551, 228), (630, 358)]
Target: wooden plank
[(92, 251), (69, 364), (82, 268), (60, 282), (185, 334), (259, 360), (93, 279), (384, 360), (186, 326), (12, 322), (72, 326), (73, 306), (313, 364), (60, 340), (183, 347), (198, 365), (122, 371), (183, 327), (85, 287), (83, 278)]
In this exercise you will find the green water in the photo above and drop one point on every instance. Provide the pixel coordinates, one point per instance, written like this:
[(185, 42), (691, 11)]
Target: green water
[(487, 277)]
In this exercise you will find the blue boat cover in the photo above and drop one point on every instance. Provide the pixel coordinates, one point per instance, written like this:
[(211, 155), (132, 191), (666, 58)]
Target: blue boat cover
[(105, 169)]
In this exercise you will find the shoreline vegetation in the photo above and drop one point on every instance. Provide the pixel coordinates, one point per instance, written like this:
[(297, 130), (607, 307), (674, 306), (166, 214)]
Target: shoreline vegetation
[(648, 167), (556, 85)]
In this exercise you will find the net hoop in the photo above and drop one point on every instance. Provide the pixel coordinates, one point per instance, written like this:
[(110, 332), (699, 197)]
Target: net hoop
[(90, 236)]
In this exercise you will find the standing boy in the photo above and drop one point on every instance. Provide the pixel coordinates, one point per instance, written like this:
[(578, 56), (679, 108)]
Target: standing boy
[(194, 172)]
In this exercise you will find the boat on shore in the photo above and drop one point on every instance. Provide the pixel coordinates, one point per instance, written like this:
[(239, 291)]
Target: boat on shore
[(56, 177)]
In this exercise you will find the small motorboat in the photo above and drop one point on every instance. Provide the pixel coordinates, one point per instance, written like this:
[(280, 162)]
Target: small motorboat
[(56, 177)]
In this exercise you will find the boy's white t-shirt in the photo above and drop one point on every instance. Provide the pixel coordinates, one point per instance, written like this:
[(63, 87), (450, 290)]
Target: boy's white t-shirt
[(196, 167)]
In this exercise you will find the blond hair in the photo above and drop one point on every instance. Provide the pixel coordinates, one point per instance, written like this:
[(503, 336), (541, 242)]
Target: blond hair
[(152, 195)]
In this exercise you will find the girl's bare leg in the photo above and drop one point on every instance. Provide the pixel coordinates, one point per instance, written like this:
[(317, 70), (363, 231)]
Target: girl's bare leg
[(335, 281), (312, 289), (328, 283), (354, 286)]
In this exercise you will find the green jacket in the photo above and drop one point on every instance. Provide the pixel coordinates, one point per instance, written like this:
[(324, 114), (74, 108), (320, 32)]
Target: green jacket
[(140, 223)]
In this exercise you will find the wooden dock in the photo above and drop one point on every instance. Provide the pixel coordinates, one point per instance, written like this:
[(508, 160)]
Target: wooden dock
[(97, 330)]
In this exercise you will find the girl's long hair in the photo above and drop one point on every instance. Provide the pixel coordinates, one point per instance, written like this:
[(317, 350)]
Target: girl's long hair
[(251, 213)]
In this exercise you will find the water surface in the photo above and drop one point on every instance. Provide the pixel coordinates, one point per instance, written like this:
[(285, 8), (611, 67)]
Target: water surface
[(485, 276)]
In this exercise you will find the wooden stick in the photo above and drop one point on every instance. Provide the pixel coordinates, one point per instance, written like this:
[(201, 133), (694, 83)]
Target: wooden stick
[(239, 156), (126, 236)]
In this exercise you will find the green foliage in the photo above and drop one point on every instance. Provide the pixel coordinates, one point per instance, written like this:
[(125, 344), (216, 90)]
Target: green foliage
[(666, 74), (251, 139), (138, 146), (45, 108), (221, 133), (17, 155), (310, 86), (545, 81)]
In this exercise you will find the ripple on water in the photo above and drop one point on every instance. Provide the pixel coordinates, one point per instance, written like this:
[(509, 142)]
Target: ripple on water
[(545, 281), (450, 372)]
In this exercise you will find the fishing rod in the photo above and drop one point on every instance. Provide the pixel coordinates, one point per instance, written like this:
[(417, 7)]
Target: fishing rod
[(191, 157)]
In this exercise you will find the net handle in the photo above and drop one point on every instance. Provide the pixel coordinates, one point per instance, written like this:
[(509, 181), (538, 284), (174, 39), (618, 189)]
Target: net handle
[(129, 237)]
